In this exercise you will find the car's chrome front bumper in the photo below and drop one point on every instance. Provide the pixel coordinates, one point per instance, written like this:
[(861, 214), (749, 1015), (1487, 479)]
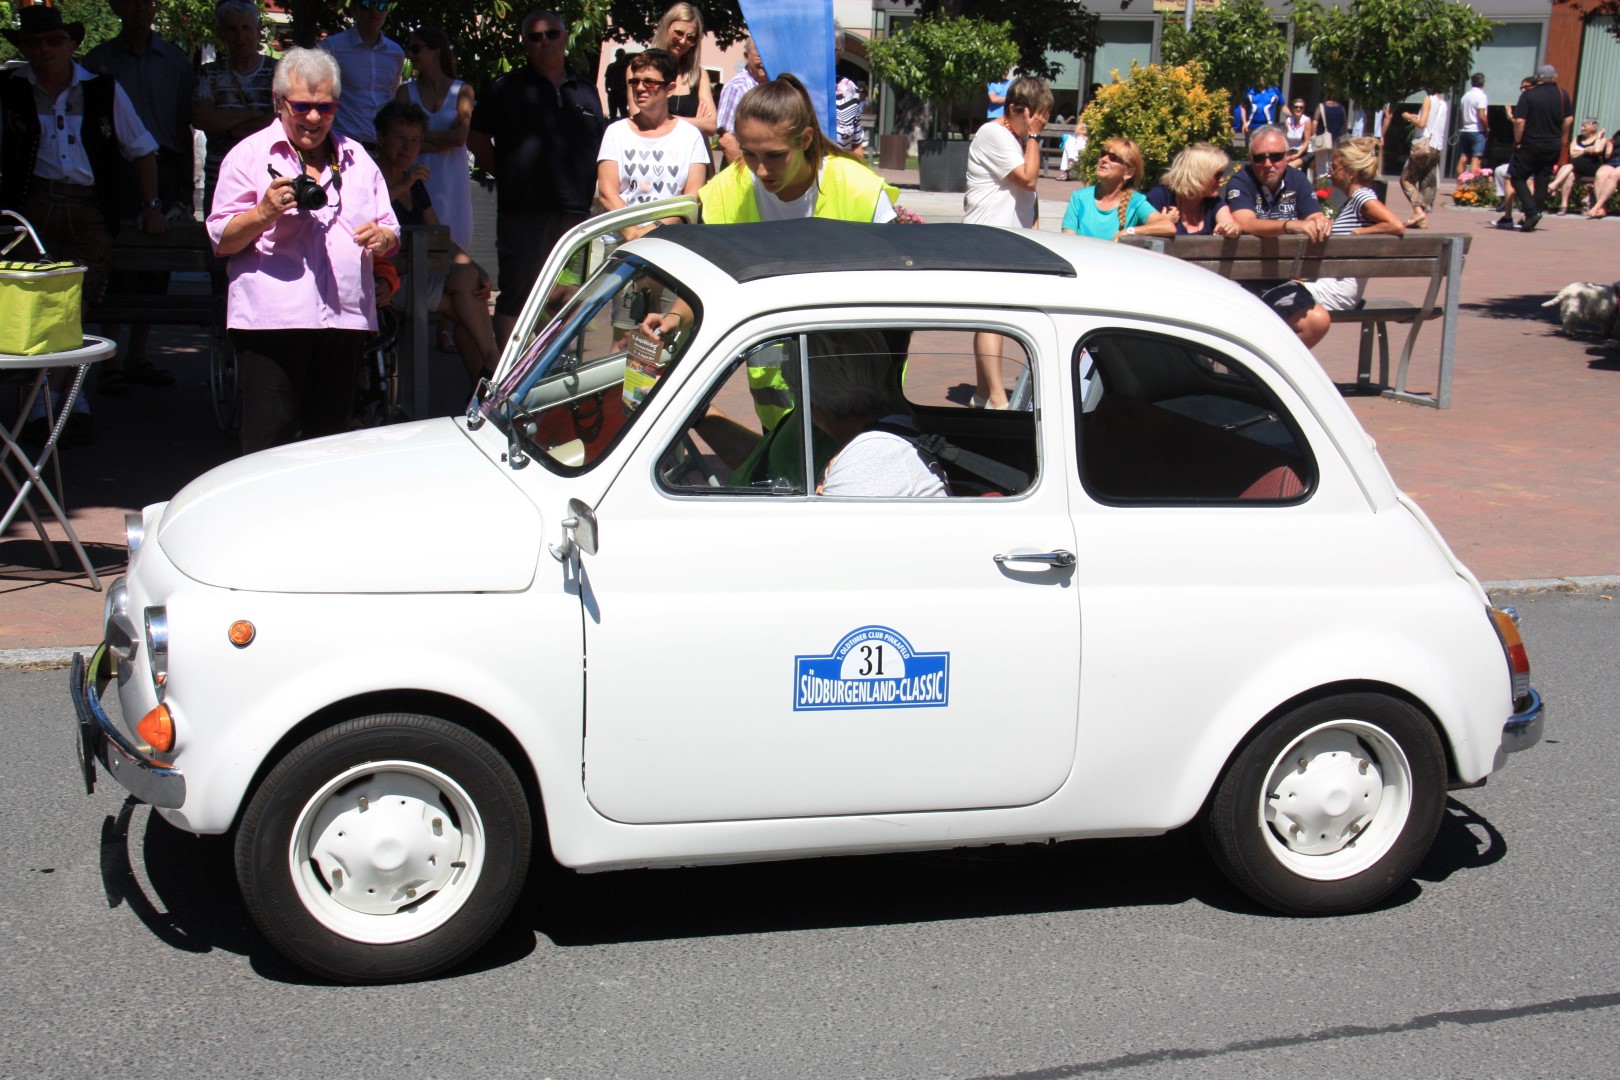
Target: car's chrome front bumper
[(99, 739), (1523, 728)]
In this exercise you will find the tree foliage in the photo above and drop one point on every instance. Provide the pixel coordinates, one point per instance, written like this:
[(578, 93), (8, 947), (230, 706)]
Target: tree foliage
[(1594, 9), (1038, 27), (944, 60), (1238, 44), (1162, 109), (1379, 51)]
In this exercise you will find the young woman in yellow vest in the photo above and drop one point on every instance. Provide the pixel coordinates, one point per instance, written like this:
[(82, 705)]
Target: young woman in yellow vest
[(789, 170)]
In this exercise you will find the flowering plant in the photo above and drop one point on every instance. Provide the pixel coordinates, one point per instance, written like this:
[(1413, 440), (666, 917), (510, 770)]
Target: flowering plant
[(1477, 189), (902, 216)]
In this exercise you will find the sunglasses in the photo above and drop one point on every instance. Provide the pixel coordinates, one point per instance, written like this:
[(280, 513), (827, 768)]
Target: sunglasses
[(1274, 159), (375, 5), (545, 35), (684, 35), (47, 41), (1109, 155), (324, 108), (416, 47), (650, 84)]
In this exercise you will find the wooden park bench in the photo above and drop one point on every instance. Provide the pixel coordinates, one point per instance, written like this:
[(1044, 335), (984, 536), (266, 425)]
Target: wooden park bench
[(1435, 256)]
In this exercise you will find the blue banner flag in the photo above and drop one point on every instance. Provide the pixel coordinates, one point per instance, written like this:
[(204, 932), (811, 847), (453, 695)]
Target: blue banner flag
[(796, 36)]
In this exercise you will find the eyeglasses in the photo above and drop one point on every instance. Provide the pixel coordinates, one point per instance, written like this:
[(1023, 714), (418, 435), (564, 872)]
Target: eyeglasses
[(324, 108), (416, 47), (375, 5), (650, 84), (684, 35), (1109, 155), (544, 35), (1277, 158), (45, 41)]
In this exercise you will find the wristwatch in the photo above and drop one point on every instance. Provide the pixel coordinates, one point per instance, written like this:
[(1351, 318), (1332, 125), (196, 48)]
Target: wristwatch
[(152, 204), (1130, 230)]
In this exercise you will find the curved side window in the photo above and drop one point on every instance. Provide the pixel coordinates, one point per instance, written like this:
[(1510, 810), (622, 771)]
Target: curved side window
[(1167, 422)]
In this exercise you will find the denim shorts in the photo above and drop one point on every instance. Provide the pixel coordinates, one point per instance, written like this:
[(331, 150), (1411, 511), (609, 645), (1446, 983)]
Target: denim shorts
[(1471, 143)]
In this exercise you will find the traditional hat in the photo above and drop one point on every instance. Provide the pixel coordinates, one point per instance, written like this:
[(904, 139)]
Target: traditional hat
[(39, 19)]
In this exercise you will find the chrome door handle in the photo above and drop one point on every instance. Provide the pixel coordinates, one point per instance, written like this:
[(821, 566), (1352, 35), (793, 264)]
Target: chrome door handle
[(1050, 558)]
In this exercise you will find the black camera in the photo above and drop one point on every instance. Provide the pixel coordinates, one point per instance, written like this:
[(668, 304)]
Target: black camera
[(308, 194)]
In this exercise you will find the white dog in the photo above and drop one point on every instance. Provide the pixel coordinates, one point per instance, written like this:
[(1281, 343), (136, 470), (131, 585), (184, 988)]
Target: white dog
[(1584, 301)]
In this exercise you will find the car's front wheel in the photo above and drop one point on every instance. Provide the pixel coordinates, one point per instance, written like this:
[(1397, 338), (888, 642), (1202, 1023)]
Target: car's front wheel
[(1330, 807), (386, 848)]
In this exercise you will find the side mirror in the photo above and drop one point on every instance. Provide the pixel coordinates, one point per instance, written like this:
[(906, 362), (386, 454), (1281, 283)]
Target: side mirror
[(579, 531), (584, 529)]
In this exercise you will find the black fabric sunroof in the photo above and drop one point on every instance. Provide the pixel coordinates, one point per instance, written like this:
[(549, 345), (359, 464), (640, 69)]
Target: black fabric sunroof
[(779, 248)]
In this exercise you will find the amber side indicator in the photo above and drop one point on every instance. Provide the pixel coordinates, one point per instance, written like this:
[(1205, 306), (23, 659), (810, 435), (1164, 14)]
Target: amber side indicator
[(241, 633), (1518, 657), (157, 729)]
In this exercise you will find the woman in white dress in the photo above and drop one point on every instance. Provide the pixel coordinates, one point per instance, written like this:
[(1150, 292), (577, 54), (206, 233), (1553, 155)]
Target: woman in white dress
[(448, 102)]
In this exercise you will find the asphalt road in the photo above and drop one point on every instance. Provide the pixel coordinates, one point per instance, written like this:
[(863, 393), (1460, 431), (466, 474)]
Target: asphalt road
[(126, 949)]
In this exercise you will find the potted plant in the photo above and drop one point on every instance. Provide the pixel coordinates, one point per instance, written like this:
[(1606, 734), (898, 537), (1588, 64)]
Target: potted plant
[(945, 61)]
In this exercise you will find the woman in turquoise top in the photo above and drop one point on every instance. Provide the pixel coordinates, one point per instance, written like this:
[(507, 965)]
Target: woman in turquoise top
[(1112, 205)]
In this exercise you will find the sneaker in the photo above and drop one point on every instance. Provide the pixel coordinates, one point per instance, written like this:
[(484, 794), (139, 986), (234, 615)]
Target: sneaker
[(1505, 221), (1530, 221)]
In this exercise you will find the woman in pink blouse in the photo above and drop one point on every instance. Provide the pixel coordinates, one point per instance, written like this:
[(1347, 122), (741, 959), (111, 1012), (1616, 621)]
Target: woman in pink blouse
[(302, 213)]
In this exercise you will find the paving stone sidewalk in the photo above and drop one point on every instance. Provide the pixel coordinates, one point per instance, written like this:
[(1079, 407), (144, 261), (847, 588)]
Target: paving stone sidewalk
[(1522, 474)]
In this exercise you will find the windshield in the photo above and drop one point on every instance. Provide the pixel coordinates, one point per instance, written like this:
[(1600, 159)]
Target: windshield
[(581, 382)]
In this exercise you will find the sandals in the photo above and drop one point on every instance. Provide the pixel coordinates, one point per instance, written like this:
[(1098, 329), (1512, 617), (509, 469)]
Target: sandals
[(144, 372)]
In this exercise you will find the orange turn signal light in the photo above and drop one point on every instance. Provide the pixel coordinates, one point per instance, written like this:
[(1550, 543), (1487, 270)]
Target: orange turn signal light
[(157, 729), (241, 633)]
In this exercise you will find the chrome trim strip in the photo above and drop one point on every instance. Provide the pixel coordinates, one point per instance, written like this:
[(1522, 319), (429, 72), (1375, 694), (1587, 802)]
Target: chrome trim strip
[(1523, 729), (100, 740)]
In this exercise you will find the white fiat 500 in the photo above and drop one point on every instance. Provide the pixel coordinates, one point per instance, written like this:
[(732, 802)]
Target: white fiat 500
[(731, 562)]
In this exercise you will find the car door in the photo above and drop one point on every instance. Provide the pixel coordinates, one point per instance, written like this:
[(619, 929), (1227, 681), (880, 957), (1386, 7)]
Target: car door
[(756, 650)]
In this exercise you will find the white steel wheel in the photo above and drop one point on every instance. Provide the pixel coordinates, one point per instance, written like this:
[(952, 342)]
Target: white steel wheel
[(1331, 807), (386, 851), (386, 848)]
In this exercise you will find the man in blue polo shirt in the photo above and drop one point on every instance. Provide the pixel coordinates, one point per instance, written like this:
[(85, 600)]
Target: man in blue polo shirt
[(1271, 198)]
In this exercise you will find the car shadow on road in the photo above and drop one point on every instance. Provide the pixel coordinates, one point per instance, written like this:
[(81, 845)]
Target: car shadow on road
[(187, 895)]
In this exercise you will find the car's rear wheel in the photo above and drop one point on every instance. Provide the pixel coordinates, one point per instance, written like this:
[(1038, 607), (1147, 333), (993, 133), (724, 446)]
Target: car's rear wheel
[(386, 848), (1331, 807)]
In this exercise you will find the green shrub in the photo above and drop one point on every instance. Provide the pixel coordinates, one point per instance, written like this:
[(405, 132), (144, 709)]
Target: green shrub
[(1160, 108), (944, 60)]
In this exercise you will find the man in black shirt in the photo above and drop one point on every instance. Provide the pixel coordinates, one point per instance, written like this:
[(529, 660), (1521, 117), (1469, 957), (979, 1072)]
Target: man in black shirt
[(537, 128), (1541, 123)]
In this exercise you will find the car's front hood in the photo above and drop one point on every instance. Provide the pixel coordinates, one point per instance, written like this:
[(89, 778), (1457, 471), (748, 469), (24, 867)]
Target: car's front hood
[(410, 508)]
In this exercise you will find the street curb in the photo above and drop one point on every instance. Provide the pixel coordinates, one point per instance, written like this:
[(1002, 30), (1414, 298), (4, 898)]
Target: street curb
[(52, 659)]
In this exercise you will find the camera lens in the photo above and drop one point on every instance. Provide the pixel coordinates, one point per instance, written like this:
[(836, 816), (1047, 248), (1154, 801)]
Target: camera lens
[(308, 194)]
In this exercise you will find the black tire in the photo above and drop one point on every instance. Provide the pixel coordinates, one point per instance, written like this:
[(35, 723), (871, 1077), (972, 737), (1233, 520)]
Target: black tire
[(1345, 837), (224, 389), (384, 849)]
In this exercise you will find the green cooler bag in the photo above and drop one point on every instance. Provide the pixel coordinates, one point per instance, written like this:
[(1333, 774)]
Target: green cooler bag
[(40, 307)]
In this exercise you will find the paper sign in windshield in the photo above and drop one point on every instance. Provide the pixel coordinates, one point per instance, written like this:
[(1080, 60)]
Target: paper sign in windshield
[(873, 667)]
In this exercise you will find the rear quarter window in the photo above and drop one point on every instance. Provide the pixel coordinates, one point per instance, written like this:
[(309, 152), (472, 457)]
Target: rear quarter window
[(1167, 422)]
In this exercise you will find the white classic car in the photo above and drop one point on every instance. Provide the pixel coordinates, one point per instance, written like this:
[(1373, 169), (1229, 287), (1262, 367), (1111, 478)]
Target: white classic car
[(726, 566)]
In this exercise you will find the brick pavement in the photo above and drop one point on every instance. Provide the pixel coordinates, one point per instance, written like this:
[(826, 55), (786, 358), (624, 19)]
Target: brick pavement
[(1522, 474)]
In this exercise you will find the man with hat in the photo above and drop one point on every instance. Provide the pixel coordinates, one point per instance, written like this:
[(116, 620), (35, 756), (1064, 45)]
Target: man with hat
[(65, 130), (1541, 123)]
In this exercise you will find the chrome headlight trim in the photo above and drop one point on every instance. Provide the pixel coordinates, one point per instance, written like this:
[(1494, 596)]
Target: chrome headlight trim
[(117, 628), (134, 532), (157, 646)]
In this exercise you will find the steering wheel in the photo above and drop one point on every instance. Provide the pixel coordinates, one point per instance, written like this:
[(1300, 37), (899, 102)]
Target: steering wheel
[(688, 463)]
